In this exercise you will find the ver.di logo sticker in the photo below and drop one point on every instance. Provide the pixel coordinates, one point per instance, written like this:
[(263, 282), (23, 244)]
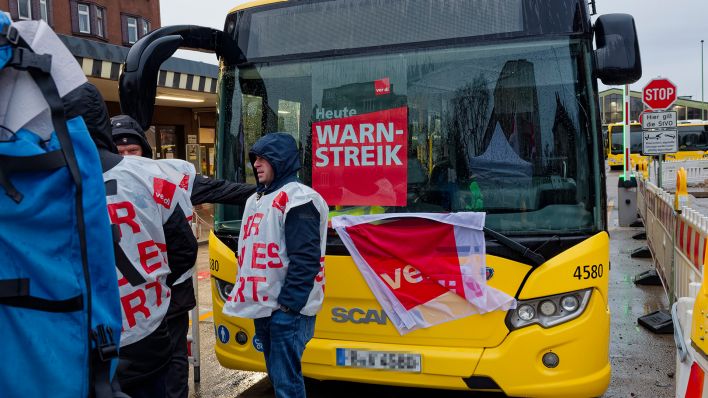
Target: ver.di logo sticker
[(257, 344)]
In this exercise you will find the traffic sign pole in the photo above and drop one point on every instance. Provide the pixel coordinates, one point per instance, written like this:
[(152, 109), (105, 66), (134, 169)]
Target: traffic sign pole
[(626, 135)]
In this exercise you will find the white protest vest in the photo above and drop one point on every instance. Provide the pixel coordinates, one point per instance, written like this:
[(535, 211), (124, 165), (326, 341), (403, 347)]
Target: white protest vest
[(148, 192), (262, 254)]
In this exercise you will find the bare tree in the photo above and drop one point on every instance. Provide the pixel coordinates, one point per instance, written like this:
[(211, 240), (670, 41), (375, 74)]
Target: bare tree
[(467, 122)]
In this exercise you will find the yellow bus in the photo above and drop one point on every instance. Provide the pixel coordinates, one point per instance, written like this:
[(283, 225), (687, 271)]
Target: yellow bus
[(614, 148), (498, 105), (692, 142)]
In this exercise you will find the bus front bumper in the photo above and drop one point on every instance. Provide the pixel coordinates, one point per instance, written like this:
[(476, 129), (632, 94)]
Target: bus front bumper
[(514, 367)]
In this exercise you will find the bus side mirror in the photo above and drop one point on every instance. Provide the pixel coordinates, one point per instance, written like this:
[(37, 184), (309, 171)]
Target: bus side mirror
[(617, 59), (138, 80)]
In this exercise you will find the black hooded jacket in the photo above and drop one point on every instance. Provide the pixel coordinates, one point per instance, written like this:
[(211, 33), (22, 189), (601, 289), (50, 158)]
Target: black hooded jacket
[(302, 223), (142, 359)]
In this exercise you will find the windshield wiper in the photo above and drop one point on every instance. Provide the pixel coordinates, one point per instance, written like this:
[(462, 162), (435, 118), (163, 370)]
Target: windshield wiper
[(525, 252)]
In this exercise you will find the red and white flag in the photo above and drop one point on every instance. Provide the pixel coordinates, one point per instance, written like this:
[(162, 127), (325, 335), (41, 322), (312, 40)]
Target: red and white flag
[(423, 268)]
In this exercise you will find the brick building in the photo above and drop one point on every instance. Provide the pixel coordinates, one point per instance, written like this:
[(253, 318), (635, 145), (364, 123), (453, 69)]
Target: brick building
[(99, 34)]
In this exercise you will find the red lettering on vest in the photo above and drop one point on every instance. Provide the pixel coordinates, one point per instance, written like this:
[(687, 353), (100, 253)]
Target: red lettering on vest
[(239, 290), (130, 310), (163, 249), (258, 252), (163, 192), (146, 256), (240, 257), (158, 291), (254, 286), (127, 218), (273, 254), (251, 226)]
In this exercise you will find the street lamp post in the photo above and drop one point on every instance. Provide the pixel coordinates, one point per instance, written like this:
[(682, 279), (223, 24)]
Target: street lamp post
[(702, 99)]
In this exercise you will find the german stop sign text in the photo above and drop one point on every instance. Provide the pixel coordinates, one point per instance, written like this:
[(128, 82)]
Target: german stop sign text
[(659, 94)]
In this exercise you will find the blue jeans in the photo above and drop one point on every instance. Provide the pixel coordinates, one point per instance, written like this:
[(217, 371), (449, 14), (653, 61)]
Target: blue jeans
[(284, 336)]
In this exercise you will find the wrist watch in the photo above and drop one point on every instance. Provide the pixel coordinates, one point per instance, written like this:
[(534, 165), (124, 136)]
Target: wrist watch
[(283, 308)]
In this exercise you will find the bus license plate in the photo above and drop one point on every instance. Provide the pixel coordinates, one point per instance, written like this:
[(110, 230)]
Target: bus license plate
[(378, 360)]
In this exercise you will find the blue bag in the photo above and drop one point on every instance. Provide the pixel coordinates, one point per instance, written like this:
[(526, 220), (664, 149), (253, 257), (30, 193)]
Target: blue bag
[(60, 318)]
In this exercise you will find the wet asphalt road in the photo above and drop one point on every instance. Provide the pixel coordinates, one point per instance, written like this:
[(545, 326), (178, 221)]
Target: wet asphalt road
[(642, 363)]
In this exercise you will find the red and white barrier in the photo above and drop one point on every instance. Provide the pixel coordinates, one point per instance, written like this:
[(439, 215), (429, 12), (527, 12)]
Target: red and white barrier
[(660, 224), (678, 242), (690, 250)]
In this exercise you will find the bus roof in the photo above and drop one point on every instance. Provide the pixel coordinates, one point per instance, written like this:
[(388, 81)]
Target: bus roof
[(692, 122), (614, 126), (291, 34), (254, 3)]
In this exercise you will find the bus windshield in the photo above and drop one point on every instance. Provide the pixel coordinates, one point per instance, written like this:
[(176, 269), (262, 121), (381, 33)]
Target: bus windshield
[(635, 139), (501, 128), (693, 138)]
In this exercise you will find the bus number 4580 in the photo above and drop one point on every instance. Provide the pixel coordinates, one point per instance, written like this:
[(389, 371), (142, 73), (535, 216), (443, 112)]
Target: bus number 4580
[(588, 272)]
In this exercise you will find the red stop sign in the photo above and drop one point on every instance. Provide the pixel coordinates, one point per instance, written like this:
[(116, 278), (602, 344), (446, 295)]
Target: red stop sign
[(659, 93)]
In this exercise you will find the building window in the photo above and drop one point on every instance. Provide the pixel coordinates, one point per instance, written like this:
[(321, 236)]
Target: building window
[(146, 27), (132, 30), (693, 113), (99, 22), (44, 10), (84, 18), (24, 9)]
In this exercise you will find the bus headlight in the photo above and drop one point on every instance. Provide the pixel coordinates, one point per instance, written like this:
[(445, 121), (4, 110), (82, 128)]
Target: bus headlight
[(224, 288), (526, 312), (549, 311), (570, 303), (547, 307)]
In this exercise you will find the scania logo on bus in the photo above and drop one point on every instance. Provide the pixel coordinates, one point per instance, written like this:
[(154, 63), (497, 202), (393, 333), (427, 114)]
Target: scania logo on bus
[(358, 315)]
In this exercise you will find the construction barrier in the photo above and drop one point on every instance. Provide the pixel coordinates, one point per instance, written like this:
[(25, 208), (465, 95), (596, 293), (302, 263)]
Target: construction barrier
[(689, 250), (660, 223), (696, 172), (691, 364), (678, 240), (641, 201)]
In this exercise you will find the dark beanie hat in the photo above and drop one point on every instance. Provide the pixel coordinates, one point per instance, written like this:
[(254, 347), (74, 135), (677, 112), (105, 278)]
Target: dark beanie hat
[(127, 131), (127, 139)]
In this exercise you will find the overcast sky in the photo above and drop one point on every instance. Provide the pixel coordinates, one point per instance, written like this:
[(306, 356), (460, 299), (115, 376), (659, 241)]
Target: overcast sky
[(669, 34)]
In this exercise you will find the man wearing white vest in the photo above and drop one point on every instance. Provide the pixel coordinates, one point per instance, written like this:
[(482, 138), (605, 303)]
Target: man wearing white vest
[(130, 139), (281, 249), (145, 197)]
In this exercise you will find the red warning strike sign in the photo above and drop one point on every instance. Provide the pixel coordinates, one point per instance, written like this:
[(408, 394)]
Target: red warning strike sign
[(362, 160)]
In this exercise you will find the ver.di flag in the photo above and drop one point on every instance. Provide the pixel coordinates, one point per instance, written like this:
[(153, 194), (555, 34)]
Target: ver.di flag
[(423, 268)]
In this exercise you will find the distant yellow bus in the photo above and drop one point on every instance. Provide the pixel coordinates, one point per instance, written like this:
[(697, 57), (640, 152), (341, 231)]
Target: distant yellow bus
[(692, 142), (614, 147)]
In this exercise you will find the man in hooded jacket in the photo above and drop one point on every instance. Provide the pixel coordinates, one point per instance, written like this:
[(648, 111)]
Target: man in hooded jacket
[(281, 249), (130, 139), (145, 199)]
